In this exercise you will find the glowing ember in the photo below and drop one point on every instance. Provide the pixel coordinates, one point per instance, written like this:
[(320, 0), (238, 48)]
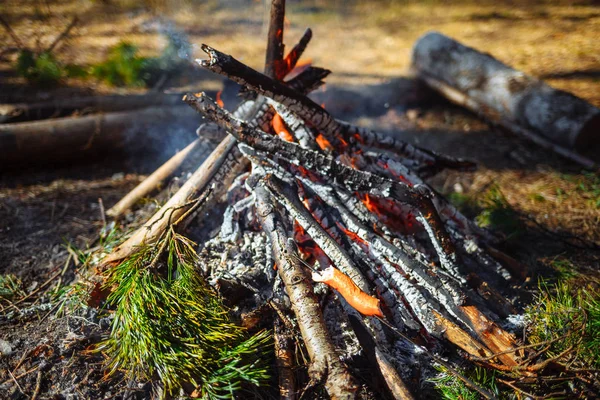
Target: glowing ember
[(353, 236), (323, 143), (281, 129), (219, 101)]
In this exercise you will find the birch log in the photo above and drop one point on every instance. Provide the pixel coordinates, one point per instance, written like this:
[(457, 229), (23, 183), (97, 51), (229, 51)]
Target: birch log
[(500, 92)]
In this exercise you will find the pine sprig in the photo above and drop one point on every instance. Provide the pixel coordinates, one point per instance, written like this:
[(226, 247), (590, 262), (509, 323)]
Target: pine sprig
[(170, 323)]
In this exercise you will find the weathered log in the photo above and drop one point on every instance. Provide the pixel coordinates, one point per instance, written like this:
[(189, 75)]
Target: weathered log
[(21, 112), (325, 362), (502, 93), (64, 138)]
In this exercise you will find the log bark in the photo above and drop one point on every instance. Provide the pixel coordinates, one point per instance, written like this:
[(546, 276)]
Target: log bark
[(325, 362), (21, 112), (501, 92), (284, 357), (64, 138)]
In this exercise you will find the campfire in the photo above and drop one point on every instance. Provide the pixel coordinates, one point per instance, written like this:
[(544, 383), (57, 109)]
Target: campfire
[(328, 234)]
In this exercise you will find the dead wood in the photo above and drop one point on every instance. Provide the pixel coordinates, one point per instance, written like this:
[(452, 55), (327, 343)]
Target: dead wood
[(325, 362), (21, 112), (336, 132), (221, 161), (294, 55), (418, 196), (155, 180), (464, 100), (64, 138), (377, 358), (275, 48), (284, 357), (504, 95)]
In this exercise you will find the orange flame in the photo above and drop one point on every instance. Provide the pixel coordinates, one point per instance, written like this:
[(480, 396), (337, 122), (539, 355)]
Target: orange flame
[(323, 143), (219, 101), (353, 236), (280, 129)]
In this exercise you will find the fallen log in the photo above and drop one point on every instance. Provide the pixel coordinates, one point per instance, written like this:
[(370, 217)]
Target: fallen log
[(67, 138), (504, 95), (22, 112)]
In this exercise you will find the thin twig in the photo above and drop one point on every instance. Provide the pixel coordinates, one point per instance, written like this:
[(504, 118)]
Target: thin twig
[(63, 34)]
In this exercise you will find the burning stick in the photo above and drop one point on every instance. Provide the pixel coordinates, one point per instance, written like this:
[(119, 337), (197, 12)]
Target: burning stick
[(336, 132), (294, 55), (325, 363), (359, 300), (274, 56), (419, 197)]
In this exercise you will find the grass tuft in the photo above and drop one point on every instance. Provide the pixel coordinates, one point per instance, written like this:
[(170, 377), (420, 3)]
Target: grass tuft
[(169, 322), (10, 287), (564, 310), (452, 388), (498, 214)]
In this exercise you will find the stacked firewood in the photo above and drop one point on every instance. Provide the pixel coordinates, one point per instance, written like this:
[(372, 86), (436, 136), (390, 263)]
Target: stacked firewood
[(312, 202)]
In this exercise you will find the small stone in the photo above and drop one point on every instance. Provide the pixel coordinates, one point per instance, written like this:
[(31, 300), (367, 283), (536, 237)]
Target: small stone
[(5, 348)]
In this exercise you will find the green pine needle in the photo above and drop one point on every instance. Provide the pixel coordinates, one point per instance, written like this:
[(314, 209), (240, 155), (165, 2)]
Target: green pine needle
[(173, 325)]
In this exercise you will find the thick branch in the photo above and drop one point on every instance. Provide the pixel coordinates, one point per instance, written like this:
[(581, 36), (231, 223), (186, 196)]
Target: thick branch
[(274, 54), (325, 363)]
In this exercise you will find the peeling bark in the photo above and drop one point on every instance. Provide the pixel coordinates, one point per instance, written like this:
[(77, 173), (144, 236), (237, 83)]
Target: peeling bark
[(325, 362)]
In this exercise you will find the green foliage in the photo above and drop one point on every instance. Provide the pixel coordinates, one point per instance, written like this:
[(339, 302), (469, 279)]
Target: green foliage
[(452, 388), (571, 312), (173, 325), (123, 67), (10, 286), (498, 214), (490, 210), (42, 69), (587, 185)]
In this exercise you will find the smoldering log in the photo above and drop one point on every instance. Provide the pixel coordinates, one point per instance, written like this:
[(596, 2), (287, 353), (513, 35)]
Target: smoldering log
[(69, 138), (500, 92), (22, 112)]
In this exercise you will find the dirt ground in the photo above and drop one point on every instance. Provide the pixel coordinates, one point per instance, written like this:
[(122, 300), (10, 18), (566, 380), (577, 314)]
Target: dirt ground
[(555, 206)]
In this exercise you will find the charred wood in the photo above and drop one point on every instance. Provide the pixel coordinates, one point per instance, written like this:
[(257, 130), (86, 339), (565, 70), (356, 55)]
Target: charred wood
[(325, 363)]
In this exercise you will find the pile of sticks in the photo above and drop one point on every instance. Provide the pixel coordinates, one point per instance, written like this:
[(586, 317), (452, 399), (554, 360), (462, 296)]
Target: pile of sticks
[(312, 202)]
